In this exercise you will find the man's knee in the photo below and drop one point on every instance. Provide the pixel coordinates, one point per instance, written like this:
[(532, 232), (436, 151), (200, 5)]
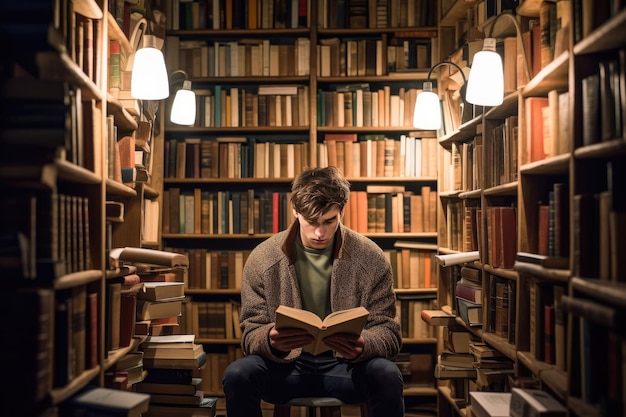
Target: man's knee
[(384, 371), (239, 371)]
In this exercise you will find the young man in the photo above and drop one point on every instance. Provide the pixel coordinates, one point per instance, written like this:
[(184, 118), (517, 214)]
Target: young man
[(321, 266)]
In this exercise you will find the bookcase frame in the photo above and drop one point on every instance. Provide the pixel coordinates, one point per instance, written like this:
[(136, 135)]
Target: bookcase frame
[(570, 378)]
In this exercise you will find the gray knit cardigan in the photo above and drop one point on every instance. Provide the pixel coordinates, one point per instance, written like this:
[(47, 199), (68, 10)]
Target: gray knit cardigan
[(361, 276)]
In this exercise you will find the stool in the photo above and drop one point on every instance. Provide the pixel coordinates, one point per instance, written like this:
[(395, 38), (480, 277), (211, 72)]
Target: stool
[(329, 407)]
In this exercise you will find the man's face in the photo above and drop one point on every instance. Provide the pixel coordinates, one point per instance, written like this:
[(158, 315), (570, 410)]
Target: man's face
[(320, 233)]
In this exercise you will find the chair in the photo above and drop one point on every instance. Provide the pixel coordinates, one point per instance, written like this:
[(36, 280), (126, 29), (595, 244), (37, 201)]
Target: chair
[(329, 407)]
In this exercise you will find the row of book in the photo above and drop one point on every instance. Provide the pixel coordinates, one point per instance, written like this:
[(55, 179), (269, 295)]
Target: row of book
[(202, 212), (46, 234), (380, 156), (242, 58), (262, 106), (372, 155), (237, 14), (47, 116), (380, 14), (363, 105), (233, 157), (360, 105), (412, 264), (368, 57)]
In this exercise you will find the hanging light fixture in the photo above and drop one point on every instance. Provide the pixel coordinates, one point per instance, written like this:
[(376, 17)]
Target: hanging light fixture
[(485, 86), (149, 78), (184, 105), (427, 112)]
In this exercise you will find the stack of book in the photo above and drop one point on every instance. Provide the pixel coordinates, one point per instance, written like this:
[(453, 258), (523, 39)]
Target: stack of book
[(173, 363), (126, 372), (493, 368)]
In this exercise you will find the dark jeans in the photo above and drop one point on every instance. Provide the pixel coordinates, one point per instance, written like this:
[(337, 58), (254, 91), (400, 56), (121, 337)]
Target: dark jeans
[(378, 382)]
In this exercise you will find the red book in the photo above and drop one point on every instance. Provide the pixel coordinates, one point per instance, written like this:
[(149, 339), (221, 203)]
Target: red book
[(534, 127), (548, 329)]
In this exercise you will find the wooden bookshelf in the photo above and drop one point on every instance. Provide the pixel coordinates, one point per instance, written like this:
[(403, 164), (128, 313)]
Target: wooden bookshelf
[(302, 67), (546, 340), (65, 269)]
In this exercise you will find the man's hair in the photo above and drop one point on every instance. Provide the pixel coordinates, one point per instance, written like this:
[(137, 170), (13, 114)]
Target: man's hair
[(316, 190)]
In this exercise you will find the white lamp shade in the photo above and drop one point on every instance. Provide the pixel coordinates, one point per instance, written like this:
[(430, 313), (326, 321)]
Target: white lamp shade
[(149, 79), (184, 106), (427, 113), (485, 85)]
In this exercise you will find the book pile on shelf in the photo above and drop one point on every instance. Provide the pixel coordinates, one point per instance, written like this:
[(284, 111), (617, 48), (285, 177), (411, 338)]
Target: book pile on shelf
[(493, 368), (469, 296), (126, 372), (174, 363)]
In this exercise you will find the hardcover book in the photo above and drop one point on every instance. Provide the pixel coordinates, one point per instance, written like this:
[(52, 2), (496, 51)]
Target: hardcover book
[(438, 318), (344, 321), (156, 291), (148, 310), (112, 402), (165, 388), (470, 313)]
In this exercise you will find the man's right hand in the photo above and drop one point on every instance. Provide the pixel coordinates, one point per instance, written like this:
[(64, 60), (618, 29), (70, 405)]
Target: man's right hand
[(287, 339)]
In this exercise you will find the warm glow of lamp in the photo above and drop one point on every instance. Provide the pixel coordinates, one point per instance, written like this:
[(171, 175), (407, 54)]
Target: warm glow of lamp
[(184, 106), (427, 112), (485, 85), (486, 79), (149, 79)]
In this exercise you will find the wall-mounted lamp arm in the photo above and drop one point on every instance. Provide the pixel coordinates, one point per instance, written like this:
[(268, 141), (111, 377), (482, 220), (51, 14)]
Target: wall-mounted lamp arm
[(518, 31), (446, 63)]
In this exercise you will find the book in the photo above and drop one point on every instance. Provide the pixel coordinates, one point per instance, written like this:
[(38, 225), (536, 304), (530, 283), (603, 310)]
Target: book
[(458, 340), (448, 358), (173, 353), (165, 388), (470, 313), (457, 258), (171, 375), (468, 291), (148, 310), (195, 399), (111, 402), (176, 363), (155, 291), (206, 408), (535, 402), (490, 404), (556, 262), (451, 372), (130, 255), (170, 341), (345, 321), (438, 318)]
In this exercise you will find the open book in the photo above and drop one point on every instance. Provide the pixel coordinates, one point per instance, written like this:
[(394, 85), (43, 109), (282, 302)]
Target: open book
[(344, 321)]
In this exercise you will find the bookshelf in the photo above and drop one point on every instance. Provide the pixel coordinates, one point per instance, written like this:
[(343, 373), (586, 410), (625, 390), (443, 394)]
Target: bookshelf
[(268, 67), (66, 209), (554, 270)]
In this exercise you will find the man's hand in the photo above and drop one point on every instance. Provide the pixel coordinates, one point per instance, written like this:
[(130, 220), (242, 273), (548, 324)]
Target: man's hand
[(287, 339), (346, 345)]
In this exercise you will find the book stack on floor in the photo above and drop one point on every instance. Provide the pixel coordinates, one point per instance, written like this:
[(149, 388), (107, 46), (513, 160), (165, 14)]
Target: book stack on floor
[(173, 363)]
